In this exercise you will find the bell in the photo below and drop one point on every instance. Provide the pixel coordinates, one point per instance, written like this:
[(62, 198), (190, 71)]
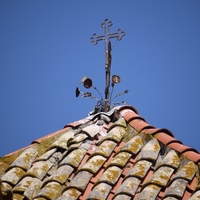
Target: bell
[(87, 82), (115, 79)]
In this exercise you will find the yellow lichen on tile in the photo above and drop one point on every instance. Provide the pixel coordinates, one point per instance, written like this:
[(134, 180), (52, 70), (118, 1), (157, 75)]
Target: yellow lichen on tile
[(94, 163), (120, 159), (190, 169), (111, 175), (130, 133)]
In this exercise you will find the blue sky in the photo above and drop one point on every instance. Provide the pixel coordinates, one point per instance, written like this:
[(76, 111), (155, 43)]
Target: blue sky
[(45, 51)]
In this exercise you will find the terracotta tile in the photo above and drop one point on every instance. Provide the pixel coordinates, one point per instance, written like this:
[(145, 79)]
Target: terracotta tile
[(129, 114), (138, 124), (165, 138), (192, 155), (127, 108)]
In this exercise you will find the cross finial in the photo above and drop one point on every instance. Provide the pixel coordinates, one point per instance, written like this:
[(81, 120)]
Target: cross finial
[(107, 47)]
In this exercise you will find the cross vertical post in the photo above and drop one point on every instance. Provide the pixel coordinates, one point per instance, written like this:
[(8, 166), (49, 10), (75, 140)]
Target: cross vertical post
[(107, 48)]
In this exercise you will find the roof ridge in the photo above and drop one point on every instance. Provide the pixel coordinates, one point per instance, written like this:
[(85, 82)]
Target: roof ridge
[(163, 135)]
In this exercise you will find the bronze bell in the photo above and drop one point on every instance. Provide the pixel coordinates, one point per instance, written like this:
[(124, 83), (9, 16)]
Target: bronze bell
[(87, 82)]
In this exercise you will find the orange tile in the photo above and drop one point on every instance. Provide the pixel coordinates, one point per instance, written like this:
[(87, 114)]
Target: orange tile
[(192, 155), (165, 138)]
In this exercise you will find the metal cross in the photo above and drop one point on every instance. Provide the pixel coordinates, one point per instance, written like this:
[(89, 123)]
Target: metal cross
[(107, 46), (106, 37)]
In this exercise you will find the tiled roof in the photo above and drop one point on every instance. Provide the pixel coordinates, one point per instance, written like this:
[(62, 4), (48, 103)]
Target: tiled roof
[(115, 155)]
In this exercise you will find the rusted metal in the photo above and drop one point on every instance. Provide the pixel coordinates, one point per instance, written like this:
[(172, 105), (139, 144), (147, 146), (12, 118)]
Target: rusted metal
[(108, 58)]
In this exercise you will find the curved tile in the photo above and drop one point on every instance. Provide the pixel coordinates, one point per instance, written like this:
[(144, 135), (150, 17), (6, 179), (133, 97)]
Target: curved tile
[(192, 155), (13, 175), (179, 147), (33, 188), (61, 142), (115, 134), (25, 159), (120, 159), (39, 169), (94, 164), (77, 139), (149, 192), (177, 188), (81, 180), (140, 169), (171, 159), (151, 150), (47, 155), (161, 176), (130, 133), (124, 109), (129, 186), (23, 184), (74, 158), (71, 194), (51, 190), (105, 148), (165, 138), (135, 144), (91, 130), (139, 124), (60, 175), (111, 175), (100, 191), (187, 170)]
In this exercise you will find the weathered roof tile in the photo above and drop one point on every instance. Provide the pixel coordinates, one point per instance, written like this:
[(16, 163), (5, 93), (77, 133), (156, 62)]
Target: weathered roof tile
[(13, 175), (150, 151), (61, 174), (71, 194), (81, 180), (74, 158), (25, 159), (149, 192), (50, 191), (111, 175), (140, 169), (91, 130), (129, 186), (120, 159), (100, 191), (177, 188), (105, 148), (94, 164), (61, 142), (135, 144), (187, 170), (161, 176), (33, 188), (39, 169)]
